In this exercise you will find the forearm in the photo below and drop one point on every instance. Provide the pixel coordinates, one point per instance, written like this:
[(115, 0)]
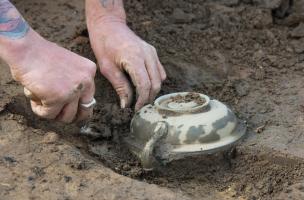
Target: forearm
[(13, 30), (103, 10)]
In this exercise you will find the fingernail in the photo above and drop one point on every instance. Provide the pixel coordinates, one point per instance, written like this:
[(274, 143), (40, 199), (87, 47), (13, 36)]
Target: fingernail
[(122, 103)]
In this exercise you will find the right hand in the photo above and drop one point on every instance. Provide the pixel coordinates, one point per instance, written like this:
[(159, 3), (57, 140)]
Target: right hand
[(119, 50), (60, 79)]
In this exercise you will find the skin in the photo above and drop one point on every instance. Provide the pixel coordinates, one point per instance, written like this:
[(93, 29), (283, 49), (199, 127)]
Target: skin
[(12, 25), (120, 51), (61, 80)]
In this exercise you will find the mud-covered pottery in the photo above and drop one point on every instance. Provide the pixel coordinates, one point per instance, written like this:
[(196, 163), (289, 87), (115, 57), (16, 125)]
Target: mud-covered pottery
[(182, 124)]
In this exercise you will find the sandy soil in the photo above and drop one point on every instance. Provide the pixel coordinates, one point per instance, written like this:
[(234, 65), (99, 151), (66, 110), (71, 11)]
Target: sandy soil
[(248, 54)]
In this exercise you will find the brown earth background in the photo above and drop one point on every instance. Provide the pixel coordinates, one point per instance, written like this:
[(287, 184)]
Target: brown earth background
[(246, 53)]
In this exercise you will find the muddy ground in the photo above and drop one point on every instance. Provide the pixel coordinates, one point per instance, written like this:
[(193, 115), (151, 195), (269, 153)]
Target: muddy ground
[(246, 53)]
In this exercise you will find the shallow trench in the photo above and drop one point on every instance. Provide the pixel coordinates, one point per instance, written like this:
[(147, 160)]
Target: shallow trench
[(250, 173), (219, 40)]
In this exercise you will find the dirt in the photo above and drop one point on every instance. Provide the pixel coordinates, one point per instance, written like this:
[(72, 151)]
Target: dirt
[(248, 54), (191, 97)]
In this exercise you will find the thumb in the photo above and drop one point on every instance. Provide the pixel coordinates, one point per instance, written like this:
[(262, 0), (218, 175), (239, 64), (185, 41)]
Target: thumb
[(47, 112), (119, 82)]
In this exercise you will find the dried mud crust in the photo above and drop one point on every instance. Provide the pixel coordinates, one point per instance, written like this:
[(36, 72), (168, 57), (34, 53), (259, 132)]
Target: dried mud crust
[(239, 52), (191, 97)]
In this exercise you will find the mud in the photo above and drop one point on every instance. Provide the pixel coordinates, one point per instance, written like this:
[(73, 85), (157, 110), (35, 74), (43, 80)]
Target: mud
[(248, 54), (195, 97)]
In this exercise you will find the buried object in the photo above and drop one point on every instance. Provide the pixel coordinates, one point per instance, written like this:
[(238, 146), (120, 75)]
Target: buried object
[(180, 125)]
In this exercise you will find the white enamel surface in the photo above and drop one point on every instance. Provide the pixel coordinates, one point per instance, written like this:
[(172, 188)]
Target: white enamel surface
[(185, 121), (203, 147), (181, 121), (174, 105)]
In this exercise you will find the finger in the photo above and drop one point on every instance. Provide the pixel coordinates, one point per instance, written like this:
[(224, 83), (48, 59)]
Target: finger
[(30, 95), (140, 78), (86, 97), (162, 71), (47, 112), (154, 75), (84, 114), (69, 111), (161, 68), (119, 82)]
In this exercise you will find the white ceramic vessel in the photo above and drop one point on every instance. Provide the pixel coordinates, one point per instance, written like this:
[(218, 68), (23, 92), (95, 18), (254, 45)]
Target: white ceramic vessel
[(182, 124)]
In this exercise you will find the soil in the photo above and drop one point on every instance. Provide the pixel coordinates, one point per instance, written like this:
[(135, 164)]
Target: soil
[(246, 53), (192, 96)]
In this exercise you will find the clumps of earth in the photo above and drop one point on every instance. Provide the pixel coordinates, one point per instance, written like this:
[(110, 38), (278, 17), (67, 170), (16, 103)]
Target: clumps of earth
[(190, 97), (249, 54)]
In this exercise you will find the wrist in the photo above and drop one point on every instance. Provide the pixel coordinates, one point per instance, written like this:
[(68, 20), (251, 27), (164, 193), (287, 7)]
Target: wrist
[(96, 13), (16, 51)]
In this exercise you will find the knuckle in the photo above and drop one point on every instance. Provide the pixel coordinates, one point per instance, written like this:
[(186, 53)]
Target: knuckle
[(156, 87), (164, 77), (88, 67), (86, 80), (92, 69), (45, 115), (42, 114), (144, 43), (137, 50), (61, 96), (153, 49), (87, 83)]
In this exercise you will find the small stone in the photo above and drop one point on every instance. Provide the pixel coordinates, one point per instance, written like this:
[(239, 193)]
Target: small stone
[(259, 55), (298, 31), (263, 19), (126, 167), (242, 88), (289, 49), (30, 178), (230, 2), (38, 171), (298, 45), (300, 187), (94, 130), (284, 8), (107, 132), (67, 179), (270, 4), (252, 197), (50, 138), (9, 159), (179, 16)]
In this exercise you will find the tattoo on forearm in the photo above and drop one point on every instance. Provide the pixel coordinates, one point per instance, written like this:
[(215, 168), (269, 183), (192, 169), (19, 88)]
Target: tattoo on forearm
[(107, 3), (12, 24)]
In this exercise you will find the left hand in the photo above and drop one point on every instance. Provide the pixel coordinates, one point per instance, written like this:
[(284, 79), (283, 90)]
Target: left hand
[(119, 50)]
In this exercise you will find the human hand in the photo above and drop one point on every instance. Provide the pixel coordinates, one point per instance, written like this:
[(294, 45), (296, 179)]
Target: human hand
[(119, 50), (60, 79)]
